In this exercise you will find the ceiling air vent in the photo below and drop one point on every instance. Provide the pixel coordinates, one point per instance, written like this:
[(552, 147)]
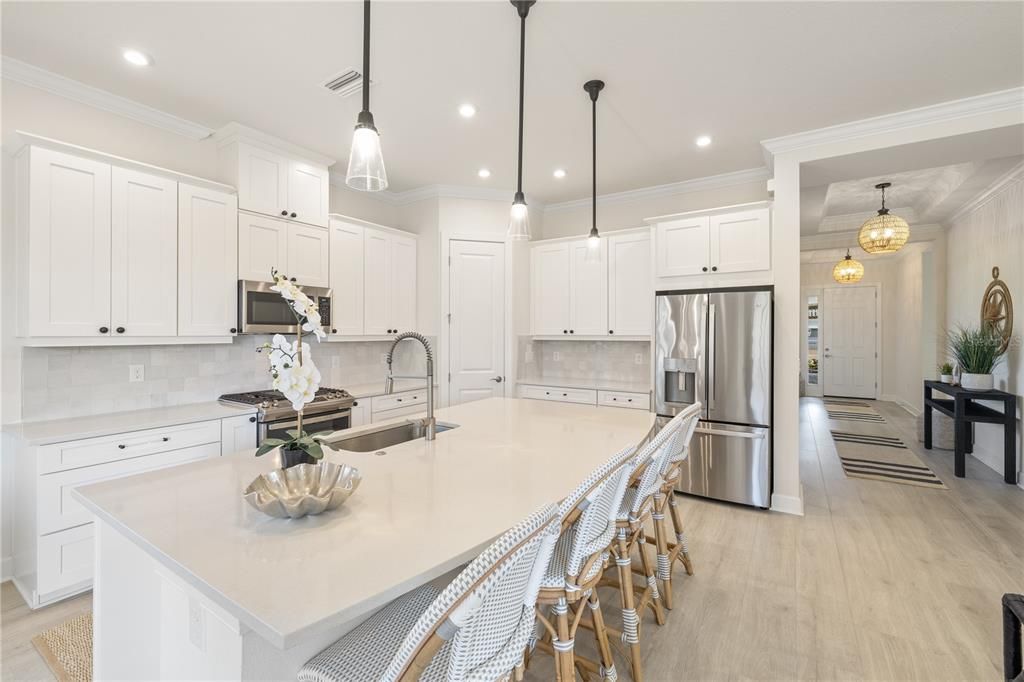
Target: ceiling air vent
[(346, 83)]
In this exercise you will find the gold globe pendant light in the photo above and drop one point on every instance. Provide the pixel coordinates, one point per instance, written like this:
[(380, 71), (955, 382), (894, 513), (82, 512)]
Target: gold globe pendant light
[(848, 270), (883, 233)]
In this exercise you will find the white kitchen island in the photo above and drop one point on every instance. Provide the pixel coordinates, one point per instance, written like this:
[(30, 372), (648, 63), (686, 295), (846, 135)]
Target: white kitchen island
[(193, 583)]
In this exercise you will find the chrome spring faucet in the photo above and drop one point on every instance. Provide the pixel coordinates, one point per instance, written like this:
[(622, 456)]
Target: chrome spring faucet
[(389, 383)]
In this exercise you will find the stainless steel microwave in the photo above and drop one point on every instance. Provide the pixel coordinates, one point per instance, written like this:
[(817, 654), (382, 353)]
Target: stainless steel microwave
[(263, 311)]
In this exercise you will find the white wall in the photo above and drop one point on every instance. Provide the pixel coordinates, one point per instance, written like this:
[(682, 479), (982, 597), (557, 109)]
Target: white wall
[(990, 235)]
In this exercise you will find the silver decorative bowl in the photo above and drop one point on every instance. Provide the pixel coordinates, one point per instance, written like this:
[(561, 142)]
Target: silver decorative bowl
[(302, 490)]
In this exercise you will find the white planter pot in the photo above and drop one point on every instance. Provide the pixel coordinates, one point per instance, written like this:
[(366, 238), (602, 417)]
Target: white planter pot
[(977, 382), (946, 378)]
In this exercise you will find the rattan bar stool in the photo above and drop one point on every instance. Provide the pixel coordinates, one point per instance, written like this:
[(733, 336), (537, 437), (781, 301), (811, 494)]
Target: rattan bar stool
[(635, 510), (668, 551), (477, 628), (588, 524)]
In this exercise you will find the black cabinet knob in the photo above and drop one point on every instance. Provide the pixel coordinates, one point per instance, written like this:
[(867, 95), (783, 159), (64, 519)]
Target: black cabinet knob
[(252, 420), (355, 404), (705, 268), (565, 331), (714, 269), (120, 330), (104, 330), (334, 331), (394, 331), (284, 213), (611, 331), (572, 331), (234, 330), (294, 214), (292, 279)]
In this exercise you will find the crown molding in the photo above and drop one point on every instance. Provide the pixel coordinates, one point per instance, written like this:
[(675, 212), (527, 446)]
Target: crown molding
[(34, 77), (235, 132), (428, 192), (992, 102), (685, 187), (1009, 177)]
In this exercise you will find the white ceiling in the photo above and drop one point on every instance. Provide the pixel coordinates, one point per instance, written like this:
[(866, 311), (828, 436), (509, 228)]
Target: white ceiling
[(740, 72)]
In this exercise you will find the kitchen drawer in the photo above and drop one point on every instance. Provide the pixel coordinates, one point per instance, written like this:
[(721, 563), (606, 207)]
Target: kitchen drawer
[(583, 396), (65, 561), (82, 453), (636, 401), (57, 509), (394, 401), (411, 410)]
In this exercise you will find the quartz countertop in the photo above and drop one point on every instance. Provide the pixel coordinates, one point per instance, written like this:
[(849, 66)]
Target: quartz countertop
[(422, 509), (593, 384), (368, 390), (75, 428)]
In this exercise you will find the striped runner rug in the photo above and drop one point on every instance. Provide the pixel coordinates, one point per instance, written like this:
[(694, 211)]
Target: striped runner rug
[(869, 448)]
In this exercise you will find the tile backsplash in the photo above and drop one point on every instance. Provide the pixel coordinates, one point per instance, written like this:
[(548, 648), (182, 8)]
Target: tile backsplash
[(585, 360), (74, 382)]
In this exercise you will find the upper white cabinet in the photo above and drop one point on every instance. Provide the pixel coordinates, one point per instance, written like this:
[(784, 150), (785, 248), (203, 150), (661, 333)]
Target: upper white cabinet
[(308, 255), (716, 242), (63, 208), (630, 291), (207, 262), (549, 288), (144, 249), (373, 279), (588, 289), (262, 247), (275, 178), (116, 251)]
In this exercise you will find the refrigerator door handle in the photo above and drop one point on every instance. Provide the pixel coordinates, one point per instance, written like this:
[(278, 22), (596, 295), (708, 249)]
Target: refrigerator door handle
[(731, 434), (712, 353)]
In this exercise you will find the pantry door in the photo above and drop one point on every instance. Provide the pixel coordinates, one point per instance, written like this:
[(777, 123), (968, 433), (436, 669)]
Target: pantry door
[(849, 351), (476, 321)]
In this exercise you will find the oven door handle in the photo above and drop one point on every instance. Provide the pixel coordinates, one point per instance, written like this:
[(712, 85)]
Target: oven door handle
[(309, 420)]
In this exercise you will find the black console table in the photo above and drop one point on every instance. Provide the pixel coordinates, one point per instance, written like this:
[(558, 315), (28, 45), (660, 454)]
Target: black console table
[(963, 406)]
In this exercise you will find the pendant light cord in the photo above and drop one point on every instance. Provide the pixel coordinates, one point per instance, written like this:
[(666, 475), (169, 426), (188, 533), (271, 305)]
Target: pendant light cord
[(593, 183), (366, 55), (522, 88)]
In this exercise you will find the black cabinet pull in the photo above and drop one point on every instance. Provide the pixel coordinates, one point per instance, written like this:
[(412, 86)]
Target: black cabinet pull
[(547, 392), (334, 331), (294, 214), (565, 331), (292, 279), (355, 404), (252, 420), (705, 268), (284, 213), (398, 400), (714, 268), (104, 330), (611, 331), (572, 331), (233, 330), (120, 330), (564, 394)]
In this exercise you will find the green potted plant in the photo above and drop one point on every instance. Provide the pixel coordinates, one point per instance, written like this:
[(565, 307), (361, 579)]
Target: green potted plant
[(977, 351), (946, 372)]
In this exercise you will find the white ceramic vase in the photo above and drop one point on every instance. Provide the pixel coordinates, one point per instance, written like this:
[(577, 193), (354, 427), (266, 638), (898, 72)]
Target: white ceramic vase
[(946, 378), (977, 382)]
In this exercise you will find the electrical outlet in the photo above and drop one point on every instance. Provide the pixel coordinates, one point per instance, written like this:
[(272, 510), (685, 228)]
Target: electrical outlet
[(557, 356), (638, 358), (136, 373)]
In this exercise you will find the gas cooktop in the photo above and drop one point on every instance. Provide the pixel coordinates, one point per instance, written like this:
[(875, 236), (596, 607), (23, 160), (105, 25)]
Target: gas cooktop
[(273, 404)]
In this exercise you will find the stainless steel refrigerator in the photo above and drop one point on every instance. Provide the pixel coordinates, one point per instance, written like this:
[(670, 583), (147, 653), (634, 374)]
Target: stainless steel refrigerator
[(715, 346)]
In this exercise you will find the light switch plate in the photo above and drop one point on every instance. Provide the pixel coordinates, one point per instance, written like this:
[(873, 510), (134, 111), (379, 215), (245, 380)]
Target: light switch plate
[(136, 373), (638, 358), (556, 356)]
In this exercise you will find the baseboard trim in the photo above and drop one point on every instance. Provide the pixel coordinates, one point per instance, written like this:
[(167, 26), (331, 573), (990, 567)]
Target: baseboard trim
[(902, 403), (6, 568), (788, 504)]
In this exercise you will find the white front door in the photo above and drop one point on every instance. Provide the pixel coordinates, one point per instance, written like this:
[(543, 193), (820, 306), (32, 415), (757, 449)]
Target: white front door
[(476, 284), (848, 342)]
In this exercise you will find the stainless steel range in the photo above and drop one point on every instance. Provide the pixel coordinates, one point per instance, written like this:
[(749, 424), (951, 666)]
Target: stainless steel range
[(331, 410)]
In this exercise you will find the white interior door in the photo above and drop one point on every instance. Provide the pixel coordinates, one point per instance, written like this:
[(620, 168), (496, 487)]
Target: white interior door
[(849, 330), (476, 284)]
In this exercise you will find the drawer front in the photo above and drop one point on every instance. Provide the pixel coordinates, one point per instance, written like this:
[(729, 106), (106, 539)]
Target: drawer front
[(81, 453), (394, 401), (563, 395), (411, 410), (65, 560), (636, 401), (58, 509)]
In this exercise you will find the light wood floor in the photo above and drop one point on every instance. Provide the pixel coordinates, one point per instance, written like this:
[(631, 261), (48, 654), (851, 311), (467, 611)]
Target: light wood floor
[(877, 581)]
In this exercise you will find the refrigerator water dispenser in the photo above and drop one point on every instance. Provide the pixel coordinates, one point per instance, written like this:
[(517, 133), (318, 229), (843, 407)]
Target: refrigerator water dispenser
[(680, 380)]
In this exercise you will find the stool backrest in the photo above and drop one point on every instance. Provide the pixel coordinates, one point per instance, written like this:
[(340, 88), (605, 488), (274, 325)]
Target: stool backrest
[(654, 457), (486, 614), (688, 424)]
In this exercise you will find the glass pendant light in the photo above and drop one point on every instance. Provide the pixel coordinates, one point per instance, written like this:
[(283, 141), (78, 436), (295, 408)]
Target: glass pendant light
[(848, 270), (593, 254), (519, 223), (365, 161), (883, 233)]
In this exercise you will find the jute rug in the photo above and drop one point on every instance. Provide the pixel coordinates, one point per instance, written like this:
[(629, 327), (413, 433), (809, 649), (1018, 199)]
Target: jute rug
[(869, 448), (67, 648)]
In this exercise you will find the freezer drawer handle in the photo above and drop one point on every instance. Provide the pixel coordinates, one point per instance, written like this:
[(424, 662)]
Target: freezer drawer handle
[(733, 434)]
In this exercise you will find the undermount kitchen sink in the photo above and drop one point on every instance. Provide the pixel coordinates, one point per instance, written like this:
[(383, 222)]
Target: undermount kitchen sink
[(386, 436)]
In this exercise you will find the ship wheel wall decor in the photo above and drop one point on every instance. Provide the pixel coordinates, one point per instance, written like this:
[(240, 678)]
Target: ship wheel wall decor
[(997, 309)]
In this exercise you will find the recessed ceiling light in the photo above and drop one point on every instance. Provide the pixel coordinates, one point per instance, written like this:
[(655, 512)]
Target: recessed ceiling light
[(467, 111), (484, 173), (703, 141), (137, 58), (559, 173)]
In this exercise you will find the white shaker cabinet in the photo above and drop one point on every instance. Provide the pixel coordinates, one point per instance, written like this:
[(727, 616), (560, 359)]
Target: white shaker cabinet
[(346, 268), (549, 288), (402, 284), (309, 190), (740, 242), (630, 291), (588, 289), (262, 181), (683, 246), (207, 262), (568, 293), (237, 434), (732, 239), (389, 284), (63, 216), (143, 241), (262, 247), (308, 255)]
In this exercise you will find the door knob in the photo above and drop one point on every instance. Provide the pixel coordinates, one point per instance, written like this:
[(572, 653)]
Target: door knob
[(497, 380)]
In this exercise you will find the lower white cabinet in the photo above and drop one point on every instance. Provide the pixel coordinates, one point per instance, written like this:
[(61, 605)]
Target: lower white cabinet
[(53, 533), (586, 396), (634, 401), (404, 404), (360, 413)]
